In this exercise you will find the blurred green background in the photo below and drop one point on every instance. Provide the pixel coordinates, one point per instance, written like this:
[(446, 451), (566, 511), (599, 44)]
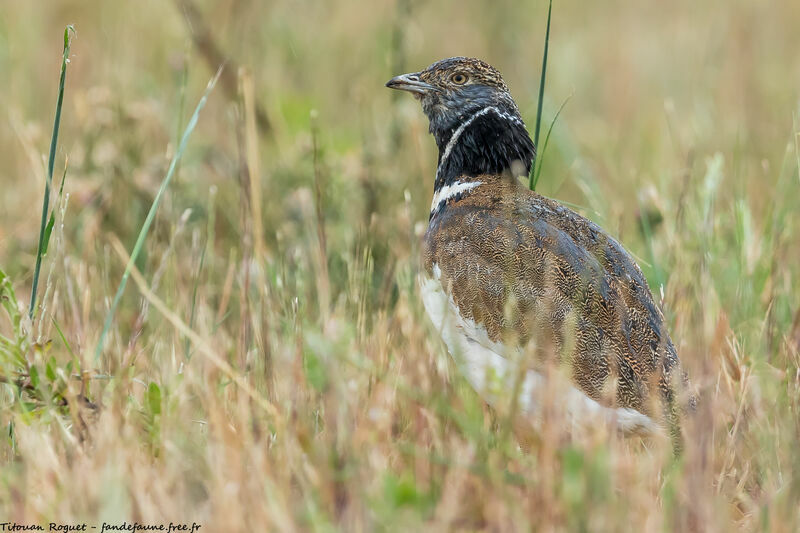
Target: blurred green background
[(655, 89), (680, 138)]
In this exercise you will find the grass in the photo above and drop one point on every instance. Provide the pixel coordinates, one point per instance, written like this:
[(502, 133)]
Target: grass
[(534, 174), (46, 225), (277, 371), (148, 221)]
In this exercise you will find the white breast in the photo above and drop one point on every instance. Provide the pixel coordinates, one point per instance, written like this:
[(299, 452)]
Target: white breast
[(491, 368)]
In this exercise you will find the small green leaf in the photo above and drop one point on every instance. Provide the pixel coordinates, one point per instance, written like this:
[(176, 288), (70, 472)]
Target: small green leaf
[(400, 491), (34, 377), (67, 30), (28, 409), (574, 483), (47, 231), (50, 369), (314, 370), (154, 399)]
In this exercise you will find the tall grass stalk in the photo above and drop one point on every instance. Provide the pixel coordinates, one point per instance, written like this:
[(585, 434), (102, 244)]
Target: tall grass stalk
[(137, 248), (537, 164), (43, 235), (61, 208), (531, 182), (253, 162)]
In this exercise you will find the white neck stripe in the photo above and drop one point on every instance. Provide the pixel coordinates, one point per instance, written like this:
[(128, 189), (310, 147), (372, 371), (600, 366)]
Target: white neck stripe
[(457, 134), (449, 191)]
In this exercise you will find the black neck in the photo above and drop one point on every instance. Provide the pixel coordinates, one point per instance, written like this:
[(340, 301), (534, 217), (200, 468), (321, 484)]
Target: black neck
[(491, 141)]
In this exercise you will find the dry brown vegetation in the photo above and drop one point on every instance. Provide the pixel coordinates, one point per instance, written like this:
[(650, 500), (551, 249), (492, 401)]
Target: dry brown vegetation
[(272, 368)]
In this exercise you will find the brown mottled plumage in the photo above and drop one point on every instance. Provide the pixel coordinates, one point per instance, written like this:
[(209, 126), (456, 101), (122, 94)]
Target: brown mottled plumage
[(519, 263), (522, 270)]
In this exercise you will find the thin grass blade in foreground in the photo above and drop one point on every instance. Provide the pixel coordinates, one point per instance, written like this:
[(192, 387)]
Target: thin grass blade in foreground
[(152, 213), (531, 182), (44, 237), (537, 167)]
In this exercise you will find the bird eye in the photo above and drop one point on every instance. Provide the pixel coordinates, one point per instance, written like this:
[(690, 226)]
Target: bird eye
[(458, 79)]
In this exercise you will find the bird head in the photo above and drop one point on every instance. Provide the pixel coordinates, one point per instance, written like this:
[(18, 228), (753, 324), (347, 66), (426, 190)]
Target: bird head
[(452, 89), (455, 93)]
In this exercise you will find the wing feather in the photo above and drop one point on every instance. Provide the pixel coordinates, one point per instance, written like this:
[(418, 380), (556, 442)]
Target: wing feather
[(531, 271)]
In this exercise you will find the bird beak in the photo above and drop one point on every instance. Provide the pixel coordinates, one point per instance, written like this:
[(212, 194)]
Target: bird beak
[(410, 83)]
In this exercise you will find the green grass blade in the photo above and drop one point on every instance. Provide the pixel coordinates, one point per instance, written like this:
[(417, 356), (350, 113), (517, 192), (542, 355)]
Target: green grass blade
[(539, 160), (64, 339), (52, 221), (531, 182), (152, 213), (44, 235)]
